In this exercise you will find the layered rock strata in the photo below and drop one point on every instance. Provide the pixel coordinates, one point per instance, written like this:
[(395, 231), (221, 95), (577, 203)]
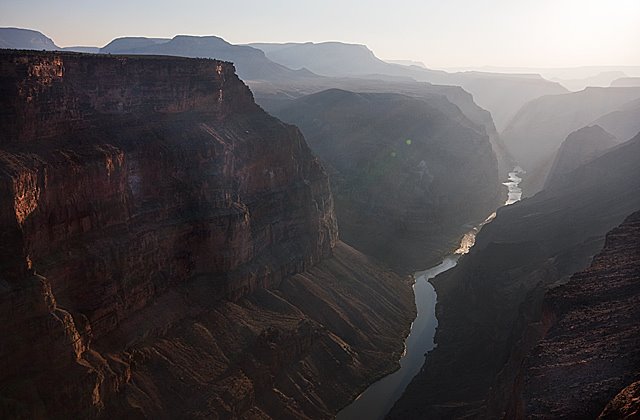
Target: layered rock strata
[(168, 249)]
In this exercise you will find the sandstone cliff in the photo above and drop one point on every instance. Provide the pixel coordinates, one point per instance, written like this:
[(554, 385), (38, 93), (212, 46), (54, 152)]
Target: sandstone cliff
[(168, 249)]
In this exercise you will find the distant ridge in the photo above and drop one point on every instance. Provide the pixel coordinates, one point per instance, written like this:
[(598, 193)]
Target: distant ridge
[(580, 147), (407, 63), (537, 131), (25, 39), (623, 123), (251, 63), (392, 158), (130, 43), (626, 81), (500, 94)]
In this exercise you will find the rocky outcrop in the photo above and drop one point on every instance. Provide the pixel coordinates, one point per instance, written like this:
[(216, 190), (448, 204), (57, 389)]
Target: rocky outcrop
[(625, 405), (490, 307), (157, 233), (580, 147), (407, 174), (591, 352)]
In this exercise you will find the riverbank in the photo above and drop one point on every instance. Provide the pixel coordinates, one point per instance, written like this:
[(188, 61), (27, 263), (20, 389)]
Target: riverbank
[(378, 399)]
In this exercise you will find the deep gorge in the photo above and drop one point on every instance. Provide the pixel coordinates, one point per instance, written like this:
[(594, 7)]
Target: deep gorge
[(169, 249)]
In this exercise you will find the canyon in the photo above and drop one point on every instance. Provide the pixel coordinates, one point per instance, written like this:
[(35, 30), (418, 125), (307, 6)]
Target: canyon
[(266, 69), (169, 249), (501, 94), (408, 175), (491, 306), (537, 131)]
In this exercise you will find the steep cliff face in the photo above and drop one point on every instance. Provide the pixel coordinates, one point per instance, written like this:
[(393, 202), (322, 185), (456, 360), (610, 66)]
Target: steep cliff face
[(591, 352), (147, 208), (490, 307), (407, 174), (126, 143)]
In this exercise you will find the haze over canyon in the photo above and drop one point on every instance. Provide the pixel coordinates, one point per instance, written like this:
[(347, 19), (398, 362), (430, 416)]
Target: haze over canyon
[(197, 228)]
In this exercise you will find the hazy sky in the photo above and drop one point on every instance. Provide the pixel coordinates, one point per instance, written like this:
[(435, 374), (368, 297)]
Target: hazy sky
[(442, 33)]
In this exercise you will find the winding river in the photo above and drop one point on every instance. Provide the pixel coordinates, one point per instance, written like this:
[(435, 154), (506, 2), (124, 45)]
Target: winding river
[(378, 399)]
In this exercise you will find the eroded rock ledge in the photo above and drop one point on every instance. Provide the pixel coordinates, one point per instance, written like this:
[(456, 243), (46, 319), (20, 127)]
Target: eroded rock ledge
[(168, 249)]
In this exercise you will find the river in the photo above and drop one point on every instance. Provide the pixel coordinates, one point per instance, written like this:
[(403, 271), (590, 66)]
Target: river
[(513, 185), (378, 399)]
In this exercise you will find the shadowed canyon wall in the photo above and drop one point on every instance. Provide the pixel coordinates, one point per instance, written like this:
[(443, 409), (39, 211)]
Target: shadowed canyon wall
[(408, 174), (588, 363)]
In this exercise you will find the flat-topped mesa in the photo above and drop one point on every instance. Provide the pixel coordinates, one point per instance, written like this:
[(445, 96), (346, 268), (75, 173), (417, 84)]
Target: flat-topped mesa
[(45, 94)]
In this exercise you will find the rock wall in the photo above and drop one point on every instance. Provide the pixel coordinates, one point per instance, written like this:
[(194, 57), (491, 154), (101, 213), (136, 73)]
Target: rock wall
[(590, 354), (143, 199)]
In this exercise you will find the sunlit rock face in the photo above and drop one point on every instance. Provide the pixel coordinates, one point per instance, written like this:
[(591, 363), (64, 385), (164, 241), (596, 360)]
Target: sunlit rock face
[(168, 249), (408, 175)]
